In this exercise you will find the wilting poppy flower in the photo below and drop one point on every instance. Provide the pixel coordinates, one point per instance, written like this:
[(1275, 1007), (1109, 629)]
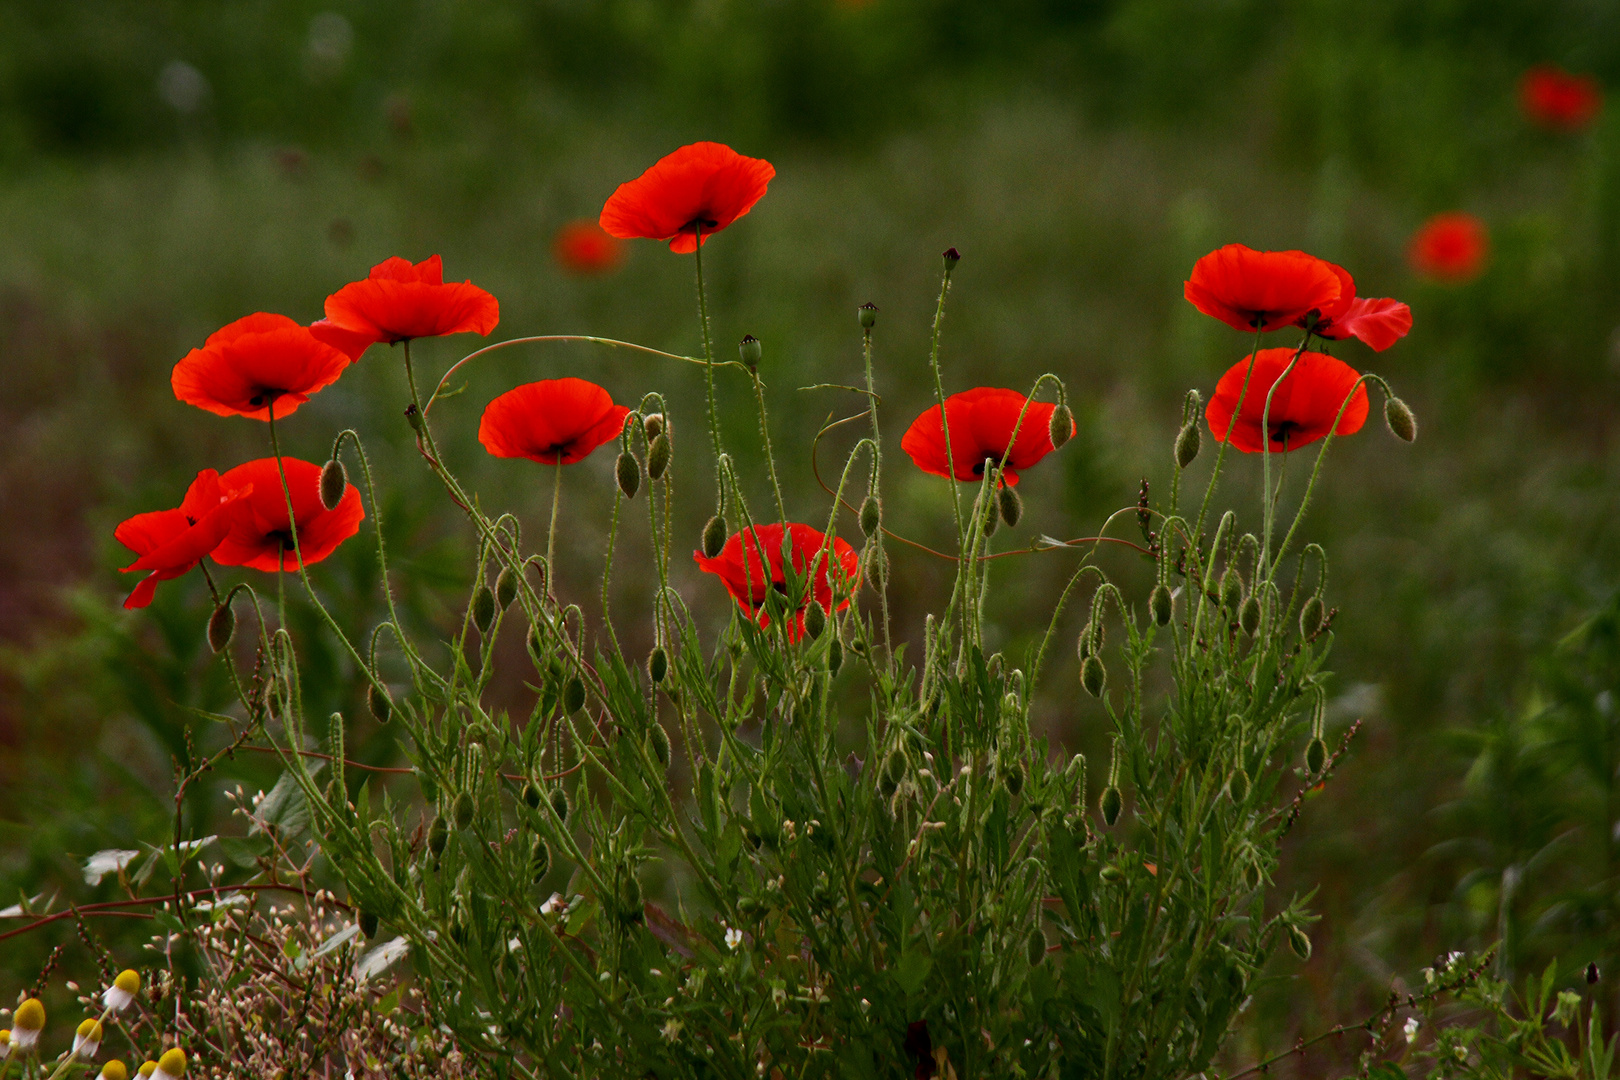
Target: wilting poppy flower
[(260, 534), (742, 572), (347, 342), (1450, 247), (1556, 99), (581, 247), (403, 300), (244, 367), (171, 542), (1261, 290), (1379, 323), (982, 422), (705, 186), (1303, 408), (554, 421)]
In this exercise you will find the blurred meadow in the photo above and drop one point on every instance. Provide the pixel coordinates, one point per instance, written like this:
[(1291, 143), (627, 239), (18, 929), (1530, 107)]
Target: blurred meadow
[(166, 168)]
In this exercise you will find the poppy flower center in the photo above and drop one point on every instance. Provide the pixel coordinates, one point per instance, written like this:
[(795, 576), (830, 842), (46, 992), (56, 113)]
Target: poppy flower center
[(281, 537), (265, 395), (990, 458), (700, 223), (1281, 431)]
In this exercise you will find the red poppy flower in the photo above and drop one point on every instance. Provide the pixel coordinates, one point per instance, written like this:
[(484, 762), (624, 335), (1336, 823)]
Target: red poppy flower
[(1451, 248), (171, 542), (743, 573), (982, 422), (553, 421), (347, 342), (260, 533), (581, 247), (263, 358), (1379, 323), (1261, 290), (704, 186), (403, 300), (1556, 99), (1303, 408)]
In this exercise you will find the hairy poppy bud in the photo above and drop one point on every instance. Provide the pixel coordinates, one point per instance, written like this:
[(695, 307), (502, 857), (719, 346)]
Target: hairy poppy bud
[(627, 471), (334, 482), (653, 424), (992, 519), (1061, 427), (1093, 676), (815, 620), (658, 740), (221, 627), (574, 694), (868, 315), (1188, 443), (1161, 604), (1300, 942), (483, 609), (894, 766), (1013, 778), (380, 704), (1237, 788), (871, 516), (1249, 615), (951, 257), (751, 351), (1035, 949), (1111, 874), (368, 923), (658, 664), (835, 656), (630, 899), (438, 836), (532, 795), (559, 804), (540, 859), (1232, 587), (658, 456), (1315, 755), (506, 588), (1012, 505), (1398, 415), (1310, 617), (413, 417), (461, 810), (1111, 803), (714, 537)]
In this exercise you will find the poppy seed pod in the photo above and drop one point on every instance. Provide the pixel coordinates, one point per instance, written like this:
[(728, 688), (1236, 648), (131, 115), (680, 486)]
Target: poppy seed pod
[(627, 470), (438, 836), (531, 795), (1237, 788), (1035, 949), (1110, 804), (1013, 778), (380, 704), (751, 351), (868, 315), (574, 694), (1060, 427), (368, 923), (714, 537), (1398, 415), (1011, 504), (835, 656), (658, 452), (1161, 604), (540, 859), (1249, 615), (1315, 755), (815, 620), (1300, 942), (951, 257), (1232, 587), (1188, 443), (559, 804), (1093, 676), (871, 516), (658, 664), (413, 417), (483, 608), (658, 740), (461, 810), (221, 627), (1310, 617), (506, 588), (334, 483)]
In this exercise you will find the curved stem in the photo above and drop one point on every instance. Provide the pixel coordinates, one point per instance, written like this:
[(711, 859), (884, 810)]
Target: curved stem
[(438, 391)]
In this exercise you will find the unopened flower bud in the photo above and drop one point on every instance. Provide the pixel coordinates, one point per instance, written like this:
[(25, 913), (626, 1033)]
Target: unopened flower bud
[(413, 417), (483, 608), (1110, 804), (1035, 949), (1315, 755), (658, 452), (871, 516), (815, 620), (1013, 778), (1398, 415), (574, 694), (1237, 788), (1300, 942), (714, 537), (894, 766), (1232, 587), (506, 588), (653, 423), (951, 257), (751, 351), (1093, 676), (1591, 973), (627, 470), (438, 835), (559, 804), (380, 704), (1310, 617), (1161, 604), (658, 664), (835, 656), (1188, 443), (1060, 429), (1111, 874), (1249, 615), (461, 810), (1011, 504), (334, 482), (868, 315), (658, 741), (368, 923), (532, 795), (540, 859), (221, 627)]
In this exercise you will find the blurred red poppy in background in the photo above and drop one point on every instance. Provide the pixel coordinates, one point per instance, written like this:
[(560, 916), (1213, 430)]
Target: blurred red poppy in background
[(260, 534), (243, 367), (740, 567), (982, 422), (1554, 98), (1378, 323), (1303, 408), (402, 300), (171, 542), (703, 186), (581, 247), (1261, 290), (1451, 247), (554, 421)]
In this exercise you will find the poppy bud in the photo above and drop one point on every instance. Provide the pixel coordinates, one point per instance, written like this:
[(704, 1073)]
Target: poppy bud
[(540, 859), (1300, 942), (1111, 803), (658, 456), (1161, 604), (438, 836), (894, 766), (630, 900), (951, 257), (835, 656), (1398, 415), (658, 740), (751, 351), (1310, 618), (1315, 755), (1013, 778), (653, 424), (368, 923), (413, 417), (714, 537), (1093, 676), (1188, 443), (380, 704), (1061, 427), (1111, 874), (1012, 505), (334, 482), (1035, 950), (871, 516), (1249, 615), (1231, 587), (531, 795), (483, 609), (574, 694), (627, 470), (1237, 788), (815, 620), (658, 664), (1592, 973), (461, 810), (559, 804), (868, 315), (506, 588), (221, 627)]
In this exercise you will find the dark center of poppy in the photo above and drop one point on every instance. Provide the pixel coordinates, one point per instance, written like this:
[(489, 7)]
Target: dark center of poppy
[(265, 395), (990, 458), (281, 537), (704, 223), (1281, 431)]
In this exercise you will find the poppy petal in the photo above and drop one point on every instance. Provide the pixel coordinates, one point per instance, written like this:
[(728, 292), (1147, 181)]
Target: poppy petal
[(553, 421), (704, 186)]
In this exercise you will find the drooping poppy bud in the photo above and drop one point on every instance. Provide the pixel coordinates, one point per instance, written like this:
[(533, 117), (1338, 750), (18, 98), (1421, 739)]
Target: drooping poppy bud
[(658, 741), (539, 859), (868, 315), (815, 621), (1188, 443), (658, 452), (1237, 788), (1093, 676), (714, 537), (630, 900), (559, 804), (1111, 803), (506, 588), (1161, 604), (751, 351), (835, 656), (1035, 949), (894, 766), (483, 608), (574, 694), (1249, 615), (1013, 778), (438, 835), (1300, 942), (1060, 427), (1310, 618), (871, 516), (221, 627), (380, 704), (1398, 415), (992, 519), (334, 484), (1315, 755), (658, 664), (461, 810), (368, 923), (1232, 587), (654, 424), (1011, 504), (627, 470), (532, 795)]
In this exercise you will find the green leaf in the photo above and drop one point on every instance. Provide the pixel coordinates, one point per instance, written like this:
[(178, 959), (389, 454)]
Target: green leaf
[(245, 851), (912, 970)]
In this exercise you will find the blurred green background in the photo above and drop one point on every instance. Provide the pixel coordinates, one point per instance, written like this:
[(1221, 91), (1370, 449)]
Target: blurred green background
[(168, 167)]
